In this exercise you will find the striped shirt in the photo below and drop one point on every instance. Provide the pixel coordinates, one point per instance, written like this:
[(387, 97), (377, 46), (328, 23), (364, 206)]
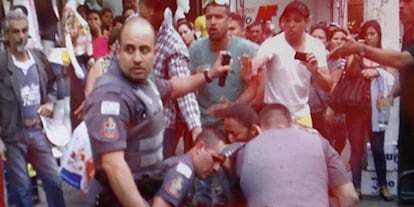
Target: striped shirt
[(173, 61)]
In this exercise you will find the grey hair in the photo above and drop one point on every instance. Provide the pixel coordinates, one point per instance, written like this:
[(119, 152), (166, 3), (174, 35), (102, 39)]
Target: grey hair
[(16, 14)]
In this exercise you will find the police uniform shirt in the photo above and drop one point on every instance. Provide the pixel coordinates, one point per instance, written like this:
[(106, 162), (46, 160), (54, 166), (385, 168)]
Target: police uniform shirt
[(305, 163), (112, 112), (178, 180)]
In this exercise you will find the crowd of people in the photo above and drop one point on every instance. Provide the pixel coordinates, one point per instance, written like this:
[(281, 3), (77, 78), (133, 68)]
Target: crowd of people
[(253, 106)]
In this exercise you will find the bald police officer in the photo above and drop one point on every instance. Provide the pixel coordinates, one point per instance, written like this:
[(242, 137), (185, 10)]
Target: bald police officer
[(125, 120)]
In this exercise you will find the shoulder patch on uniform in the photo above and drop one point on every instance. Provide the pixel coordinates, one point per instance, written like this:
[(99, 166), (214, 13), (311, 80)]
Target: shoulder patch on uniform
[(184, 170), (110, 108), (174, 187), (109, 129)]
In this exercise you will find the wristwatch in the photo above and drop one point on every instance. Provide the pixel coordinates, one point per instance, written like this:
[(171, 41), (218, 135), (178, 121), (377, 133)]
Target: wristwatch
[(208, 79)]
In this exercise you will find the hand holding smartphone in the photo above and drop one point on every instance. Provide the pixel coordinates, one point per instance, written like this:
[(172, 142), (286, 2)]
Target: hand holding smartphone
[(301, 56), (225, 60)]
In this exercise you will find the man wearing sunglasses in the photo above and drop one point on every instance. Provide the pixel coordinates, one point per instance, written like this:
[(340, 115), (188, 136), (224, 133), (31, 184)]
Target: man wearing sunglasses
[(201, 161), (204, 52)]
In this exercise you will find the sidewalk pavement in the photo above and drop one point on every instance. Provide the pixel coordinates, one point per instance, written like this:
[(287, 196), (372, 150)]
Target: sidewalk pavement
[(74, 198)]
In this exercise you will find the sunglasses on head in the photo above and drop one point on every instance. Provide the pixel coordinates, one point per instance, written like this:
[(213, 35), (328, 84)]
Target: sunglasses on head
[(218, 2)]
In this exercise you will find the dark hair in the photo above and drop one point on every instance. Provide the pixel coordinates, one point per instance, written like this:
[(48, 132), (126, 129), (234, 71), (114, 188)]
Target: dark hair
[(118, 19), (93, 11), (190, 26), (113, 36), (244, 113), (256, 23), (211, 136), (371, 24), (86, 7), (128, 8), (339, 29), (236, 17), (183, 21), (320, 26), (103, 11), (275, 113)]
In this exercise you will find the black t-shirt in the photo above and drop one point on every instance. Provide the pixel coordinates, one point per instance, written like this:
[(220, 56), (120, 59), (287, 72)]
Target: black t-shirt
[(406, 130)]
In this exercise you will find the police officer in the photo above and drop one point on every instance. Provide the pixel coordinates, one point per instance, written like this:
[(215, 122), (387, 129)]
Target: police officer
[(201, 161), (299, 157), (125, 120)]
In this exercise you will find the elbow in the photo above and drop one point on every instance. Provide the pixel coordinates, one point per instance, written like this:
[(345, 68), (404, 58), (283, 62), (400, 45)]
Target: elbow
[(353, 200), (404, 60), (113, 161)]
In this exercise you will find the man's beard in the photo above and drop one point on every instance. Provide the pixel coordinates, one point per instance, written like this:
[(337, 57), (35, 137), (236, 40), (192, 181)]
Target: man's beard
[(21, 47)]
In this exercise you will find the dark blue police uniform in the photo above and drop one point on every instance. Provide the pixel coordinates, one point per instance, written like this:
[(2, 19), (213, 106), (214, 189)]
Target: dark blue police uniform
[(125, 115), (178, 180)]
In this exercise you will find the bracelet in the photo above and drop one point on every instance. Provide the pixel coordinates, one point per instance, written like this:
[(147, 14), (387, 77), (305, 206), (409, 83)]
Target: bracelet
[(208, 79)]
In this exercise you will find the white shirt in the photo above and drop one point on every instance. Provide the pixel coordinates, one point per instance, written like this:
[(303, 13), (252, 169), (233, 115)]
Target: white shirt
[(24, 66), (287, 81)]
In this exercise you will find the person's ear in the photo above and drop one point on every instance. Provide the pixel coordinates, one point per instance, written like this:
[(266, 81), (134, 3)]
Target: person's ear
[(308, 19), (155, 51), (255, 129), (199, 147)]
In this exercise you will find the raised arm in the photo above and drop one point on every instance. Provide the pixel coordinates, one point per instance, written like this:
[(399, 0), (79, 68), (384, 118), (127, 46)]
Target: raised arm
[(183, 85), (388, 57)]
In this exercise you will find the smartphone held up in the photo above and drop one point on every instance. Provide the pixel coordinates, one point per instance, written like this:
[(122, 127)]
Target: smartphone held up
[(225, 60)]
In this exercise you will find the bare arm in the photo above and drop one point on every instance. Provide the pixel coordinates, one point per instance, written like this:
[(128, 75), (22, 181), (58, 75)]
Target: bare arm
[(184, 85), (121, 180), (94, 73), (323, 78), (258, 62), (160, 202), (250, 90), (388, 57), (320, 74), (345, 195)]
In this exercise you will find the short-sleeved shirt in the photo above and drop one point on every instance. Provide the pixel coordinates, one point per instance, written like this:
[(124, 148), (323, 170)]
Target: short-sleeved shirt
[(112, 113), (289, 167), (202, 56), (287, 81), (178, 180)]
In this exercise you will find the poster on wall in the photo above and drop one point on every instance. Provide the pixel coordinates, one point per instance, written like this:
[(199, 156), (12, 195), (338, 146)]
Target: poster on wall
[(260, 10)]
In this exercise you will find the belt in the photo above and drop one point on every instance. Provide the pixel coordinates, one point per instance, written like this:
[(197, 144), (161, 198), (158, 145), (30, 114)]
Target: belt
[(32, 123)]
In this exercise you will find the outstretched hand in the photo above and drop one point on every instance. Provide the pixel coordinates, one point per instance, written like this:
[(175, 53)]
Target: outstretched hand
[(246, 67), (217, 109), (219, 69), (351, 46)]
